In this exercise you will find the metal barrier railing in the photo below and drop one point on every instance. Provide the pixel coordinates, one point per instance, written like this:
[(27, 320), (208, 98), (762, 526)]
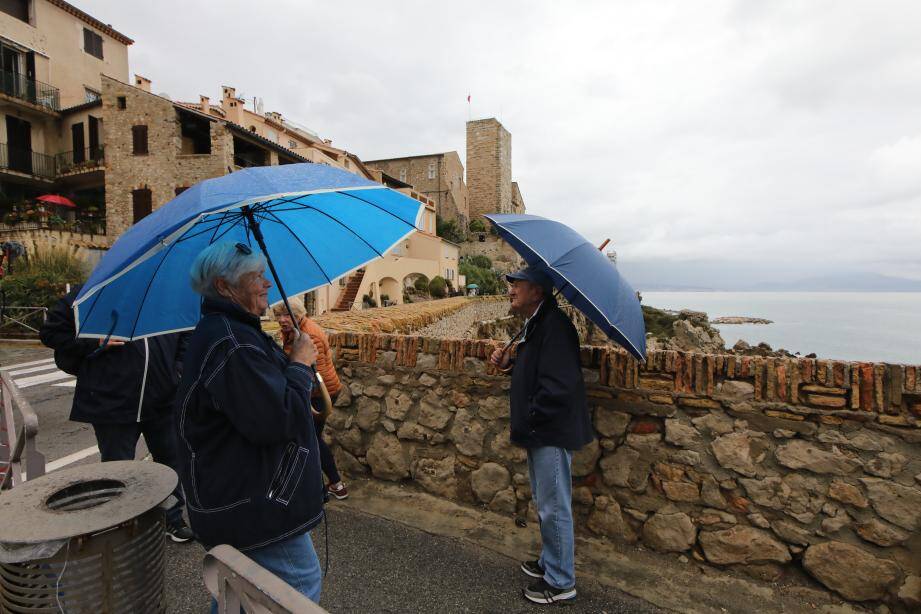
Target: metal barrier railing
[(88, 158), (19, 458), (27, 161), (239, 584), (20, 316)]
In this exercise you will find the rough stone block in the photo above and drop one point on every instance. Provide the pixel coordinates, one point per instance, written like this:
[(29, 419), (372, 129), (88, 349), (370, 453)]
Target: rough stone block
[(851, 571)]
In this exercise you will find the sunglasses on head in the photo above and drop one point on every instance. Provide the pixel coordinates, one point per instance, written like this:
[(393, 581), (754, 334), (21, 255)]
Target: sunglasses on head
[(244, 249)]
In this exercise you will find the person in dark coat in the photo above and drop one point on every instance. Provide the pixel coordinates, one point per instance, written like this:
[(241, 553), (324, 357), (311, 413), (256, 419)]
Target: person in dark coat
[(248, 455), (549, 418), (124, 390)]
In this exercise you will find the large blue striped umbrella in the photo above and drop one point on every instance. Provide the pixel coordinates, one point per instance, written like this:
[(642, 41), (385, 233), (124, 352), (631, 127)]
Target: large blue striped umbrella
[(585, 276), (315, 224)]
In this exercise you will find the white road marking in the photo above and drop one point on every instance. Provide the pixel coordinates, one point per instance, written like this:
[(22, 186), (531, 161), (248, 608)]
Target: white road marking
[(70, 384), (44, 378), (28, 364), (33, 369), (71, 458)]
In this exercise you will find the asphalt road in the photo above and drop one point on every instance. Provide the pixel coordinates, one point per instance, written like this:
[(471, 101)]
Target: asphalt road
[(375, 565)]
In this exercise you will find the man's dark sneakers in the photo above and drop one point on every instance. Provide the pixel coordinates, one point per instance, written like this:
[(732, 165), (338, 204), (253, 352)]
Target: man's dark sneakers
[(179, 532), (533, 569), (541, 592)]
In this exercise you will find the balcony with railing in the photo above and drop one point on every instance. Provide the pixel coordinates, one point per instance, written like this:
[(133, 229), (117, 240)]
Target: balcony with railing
[(27, 162), (19, 86), (80, 160)]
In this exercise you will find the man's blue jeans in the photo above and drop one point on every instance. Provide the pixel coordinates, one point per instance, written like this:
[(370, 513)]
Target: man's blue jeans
[(550, 470), (295, 561)]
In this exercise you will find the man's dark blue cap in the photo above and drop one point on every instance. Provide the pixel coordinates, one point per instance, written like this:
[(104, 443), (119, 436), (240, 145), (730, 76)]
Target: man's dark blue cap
[(535, 275)]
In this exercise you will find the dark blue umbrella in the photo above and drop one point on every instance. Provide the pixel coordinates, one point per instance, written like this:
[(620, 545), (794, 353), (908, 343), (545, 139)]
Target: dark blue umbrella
[(581, 273)]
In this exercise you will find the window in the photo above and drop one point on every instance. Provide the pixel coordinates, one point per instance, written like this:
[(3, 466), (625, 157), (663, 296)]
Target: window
[(141, 204), (292, 144), (122, 102), (139, 140), (92, 43), (16, 8), (402, 174), (431, 170), (91, 94)]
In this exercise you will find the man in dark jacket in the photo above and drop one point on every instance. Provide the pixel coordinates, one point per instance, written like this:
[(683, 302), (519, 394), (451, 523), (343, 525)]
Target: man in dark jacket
[(124, 390), (549, 417)]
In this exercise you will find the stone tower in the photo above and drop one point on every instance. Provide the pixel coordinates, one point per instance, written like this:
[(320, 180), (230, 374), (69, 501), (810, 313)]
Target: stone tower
[(489, 167)]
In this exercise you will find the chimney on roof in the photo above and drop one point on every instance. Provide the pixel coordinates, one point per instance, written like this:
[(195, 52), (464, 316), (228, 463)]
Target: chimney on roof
[(142, 82), (204, 104), (229, 92)]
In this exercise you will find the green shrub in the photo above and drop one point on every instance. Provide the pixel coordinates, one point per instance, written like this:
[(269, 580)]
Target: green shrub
[(421, 284), (438, 287), (40, 279), (477, 225), (480, 261), (447, 229), (486, 279)]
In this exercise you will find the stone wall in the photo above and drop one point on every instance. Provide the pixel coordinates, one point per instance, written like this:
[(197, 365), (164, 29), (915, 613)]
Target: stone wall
[(774, 467)]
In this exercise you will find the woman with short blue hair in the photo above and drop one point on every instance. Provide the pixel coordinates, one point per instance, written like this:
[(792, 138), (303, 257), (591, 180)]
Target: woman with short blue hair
[(249, 462)]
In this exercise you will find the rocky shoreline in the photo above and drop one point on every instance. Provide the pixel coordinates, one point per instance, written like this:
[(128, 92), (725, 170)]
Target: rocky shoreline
[(740, 320)]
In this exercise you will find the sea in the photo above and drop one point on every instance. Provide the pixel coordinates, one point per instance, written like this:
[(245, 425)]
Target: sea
[(854, 326)]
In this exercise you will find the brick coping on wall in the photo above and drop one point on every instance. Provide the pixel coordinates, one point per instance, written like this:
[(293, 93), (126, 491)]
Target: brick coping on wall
[(889, 394)]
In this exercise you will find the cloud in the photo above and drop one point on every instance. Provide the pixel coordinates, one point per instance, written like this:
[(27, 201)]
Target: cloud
[(784, 135)]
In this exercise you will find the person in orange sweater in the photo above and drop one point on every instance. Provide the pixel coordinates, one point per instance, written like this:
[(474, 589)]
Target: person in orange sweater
[(326, 370)]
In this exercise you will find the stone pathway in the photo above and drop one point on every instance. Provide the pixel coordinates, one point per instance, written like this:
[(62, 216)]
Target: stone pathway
[(461, 325)]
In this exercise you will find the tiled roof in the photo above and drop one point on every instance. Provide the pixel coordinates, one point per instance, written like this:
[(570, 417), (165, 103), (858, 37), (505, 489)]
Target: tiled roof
[(102, 27)]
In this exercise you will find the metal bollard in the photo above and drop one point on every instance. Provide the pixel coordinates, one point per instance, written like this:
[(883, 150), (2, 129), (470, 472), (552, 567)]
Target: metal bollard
[(86, 539)]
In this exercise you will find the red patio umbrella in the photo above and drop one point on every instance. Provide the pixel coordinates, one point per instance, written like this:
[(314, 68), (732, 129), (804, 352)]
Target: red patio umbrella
[(55, 199)]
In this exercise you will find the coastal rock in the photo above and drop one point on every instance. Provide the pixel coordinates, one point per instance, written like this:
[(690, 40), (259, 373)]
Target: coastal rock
[(740, 320), (669, 532), (851, 571), (742, 545)]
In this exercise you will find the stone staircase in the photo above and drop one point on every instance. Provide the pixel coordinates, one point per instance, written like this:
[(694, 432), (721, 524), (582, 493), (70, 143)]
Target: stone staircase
[(347, 296)]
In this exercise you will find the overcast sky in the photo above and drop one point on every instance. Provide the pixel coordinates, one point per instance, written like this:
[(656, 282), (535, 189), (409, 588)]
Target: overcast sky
[(777, 138)]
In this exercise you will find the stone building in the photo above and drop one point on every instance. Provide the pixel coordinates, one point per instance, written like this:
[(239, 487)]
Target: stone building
[(53, 58), (157, 148), (439, 177), (489, 169)]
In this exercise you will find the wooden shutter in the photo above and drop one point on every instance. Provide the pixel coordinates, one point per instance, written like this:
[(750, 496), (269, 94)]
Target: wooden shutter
[(139, 140), (141, 204)]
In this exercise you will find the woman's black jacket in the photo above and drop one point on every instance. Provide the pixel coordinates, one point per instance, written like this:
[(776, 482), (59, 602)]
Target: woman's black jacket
[(248, 457)]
